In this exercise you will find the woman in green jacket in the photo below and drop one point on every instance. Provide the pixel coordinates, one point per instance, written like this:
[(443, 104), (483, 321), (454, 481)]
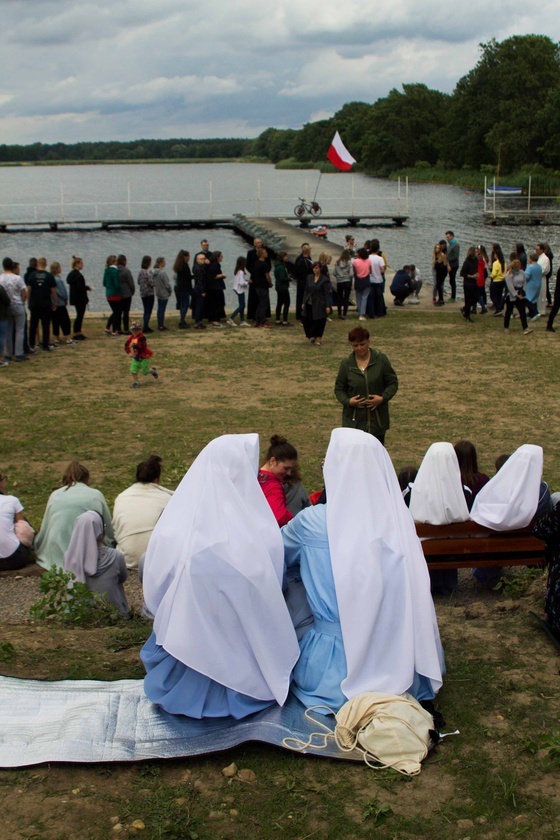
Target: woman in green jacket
[(365, 383), (113, 293)]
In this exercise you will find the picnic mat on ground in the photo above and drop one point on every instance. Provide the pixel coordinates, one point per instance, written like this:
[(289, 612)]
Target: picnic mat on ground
[(92, 721)]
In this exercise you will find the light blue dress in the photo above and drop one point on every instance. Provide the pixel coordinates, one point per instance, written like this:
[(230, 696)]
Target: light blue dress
[(180, 690), (321, 667)]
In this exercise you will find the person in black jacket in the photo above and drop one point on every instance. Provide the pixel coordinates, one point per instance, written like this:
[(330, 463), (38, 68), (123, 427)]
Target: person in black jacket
[(184, 285), (469, 273), (78, 296), (401, 286)]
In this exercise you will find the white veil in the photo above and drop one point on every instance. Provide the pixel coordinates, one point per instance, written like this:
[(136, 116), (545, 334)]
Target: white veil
[(213, 575), (437, 493), (510, 499), (387, 616)]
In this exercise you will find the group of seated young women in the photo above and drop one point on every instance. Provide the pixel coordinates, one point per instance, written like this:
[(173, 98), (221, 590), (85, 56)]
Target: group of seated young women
[(333, 603), (448, 487), (220, 576), (78, 533)]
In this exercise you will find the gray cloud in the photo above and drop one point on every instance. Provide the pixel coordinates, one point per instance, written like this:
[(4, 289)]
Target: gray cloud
[(168, 68)]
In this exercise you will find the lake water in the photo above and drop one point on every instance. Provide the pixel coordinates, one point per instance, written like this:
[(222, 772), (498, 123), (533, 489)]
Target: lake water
[(167, 191)]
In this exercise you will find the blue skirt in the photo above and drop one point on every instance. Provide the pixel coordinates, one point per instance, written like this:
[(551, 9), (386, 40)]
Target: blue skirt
[(180, 690)]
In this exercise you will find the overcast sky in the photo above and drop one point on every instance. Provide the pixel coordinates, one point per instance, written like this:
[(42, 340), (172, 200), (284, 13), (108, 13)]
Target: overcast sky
[(127, 69)]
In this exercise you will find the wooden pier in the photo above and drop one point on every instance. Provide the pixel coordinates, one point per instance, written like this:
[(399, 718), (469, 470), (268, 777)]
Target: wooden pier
[(232, 222)]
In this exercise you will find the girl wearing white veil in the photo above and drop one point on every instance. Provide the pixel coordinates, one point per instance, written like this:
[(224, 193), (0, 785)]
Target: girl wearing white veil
[(366, 581), (511, 499), (223, 642), (439, 498)]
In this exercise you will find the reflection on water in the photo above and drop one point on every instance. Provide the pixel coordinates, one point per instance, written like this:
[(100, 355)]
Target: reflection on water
[(193, 191)]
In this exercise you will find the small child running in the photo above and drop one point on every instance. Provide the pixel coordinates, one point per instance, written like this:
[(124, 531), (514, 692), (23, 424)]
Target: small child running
[(137, 347)]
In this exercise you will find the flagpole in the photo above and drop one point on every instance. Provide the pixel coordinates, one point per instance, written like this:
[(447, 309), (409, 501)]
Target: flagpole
[(317, 187)]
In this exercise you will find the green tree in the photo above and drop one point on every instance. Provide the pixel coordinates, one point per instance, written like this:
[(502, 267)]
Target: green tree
[(404, 128), (494, 113)]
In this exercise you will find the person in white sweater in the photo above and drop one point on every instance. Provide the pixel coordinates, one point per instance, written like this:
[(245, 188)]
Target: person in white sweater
[(137, 509)]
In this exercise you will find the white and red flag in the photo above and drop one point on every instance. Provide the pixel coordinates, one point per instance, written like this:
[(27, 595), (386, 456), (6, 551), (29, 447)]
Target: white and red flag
[(339, 155)]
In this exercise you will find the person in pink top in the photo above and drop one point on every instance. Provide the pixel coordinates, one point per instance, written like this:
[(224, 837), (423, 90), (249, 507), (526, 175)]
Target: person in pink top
[(362, 269), (281, 459)]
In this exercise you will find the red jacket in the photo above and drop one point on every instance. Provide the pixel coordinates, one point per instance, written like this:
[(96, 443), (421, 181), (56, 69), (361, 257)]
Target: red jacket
[(275, 496)]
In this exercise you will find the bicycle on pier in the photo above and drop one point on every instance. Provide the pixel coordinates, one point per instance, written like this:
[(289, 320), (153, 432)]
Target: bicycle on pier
[(305, 208)]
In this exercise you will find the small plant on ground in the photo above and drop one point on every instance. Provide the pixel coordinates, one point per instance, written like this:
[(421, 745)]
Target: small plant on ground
[(518, 584), (377, 811), (70, 602), (7, 652), (552, 744)]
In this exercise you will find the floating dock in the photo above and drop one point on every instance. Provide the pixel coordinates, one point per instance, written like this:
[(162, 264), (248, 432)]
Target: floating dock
[(380, 219)]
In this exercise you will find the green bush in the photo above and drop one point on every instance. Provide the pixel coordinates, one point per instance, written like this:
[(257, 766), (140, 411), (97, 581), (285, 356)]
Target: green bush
[(69, 602)]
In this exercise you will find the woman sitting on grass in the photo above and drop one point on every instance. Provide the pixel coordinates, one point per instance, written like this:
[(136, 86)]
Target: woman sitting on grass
[(223, 642), (374, 625), (16, 535), (65, 504), (102, 569)]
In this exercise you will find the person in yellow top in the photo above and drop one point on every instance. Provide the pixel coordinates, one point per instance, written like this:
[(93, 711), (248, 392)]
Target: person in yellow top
[(497, 280)]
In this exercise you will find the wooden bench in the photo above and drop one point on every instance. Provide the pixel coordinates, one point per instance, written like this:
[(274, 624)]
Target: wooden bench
[(467, 545)]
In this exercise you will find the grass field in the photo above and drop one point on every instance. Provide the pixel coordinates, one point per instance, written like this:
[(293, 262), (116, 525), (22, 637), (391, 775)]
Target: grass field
[(498, 779)]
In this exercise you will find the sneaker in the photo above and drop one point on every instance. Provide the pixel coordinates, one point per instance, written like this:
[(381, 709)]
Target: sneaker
[(266, 326), (47, 349), (528, 331), (200, 326), (498, 314), (279, 323), (21, 359), (550, 329), (218, 326), (231, 323), (107, 331), (4, 364), (361, 317), (32, 351), (183, 326), (244, 324), (53, 346), (135, 385), (115, 335), (71, 342), (287, 324), (153, 371), (483, 311), (79, 337), (147, 330), (535, 317)]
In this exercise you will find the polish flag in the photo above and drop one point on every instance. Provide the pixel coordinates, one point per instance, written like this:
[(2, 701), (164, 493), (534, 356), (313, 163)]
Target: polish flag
[(339, 155)]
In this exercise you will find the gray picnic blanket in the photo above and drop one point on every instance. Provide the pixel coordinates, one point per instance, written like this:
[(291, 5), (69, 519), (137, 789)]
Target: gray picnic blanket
[(93, 721)]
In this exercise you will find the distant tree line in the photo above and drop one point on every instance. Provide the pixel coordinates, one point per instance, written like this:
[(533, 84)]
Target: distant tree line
[(505, 112), (127, 150)]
